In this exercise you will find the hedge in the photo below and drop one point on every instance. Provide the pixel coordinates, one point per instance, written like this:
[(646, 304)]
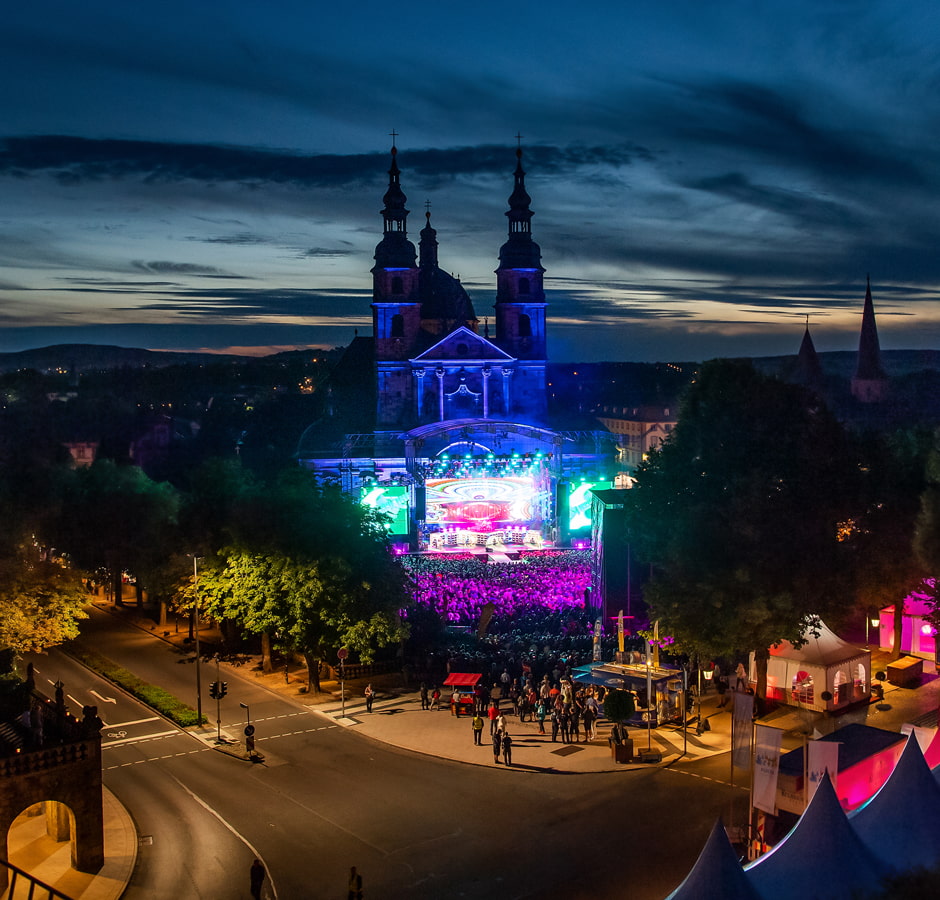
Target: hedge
[(155, 697)]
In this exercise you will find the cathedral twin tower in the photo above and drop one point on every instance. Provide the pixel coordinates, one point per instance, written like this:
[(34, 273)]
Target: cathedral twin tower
[(431, 363)]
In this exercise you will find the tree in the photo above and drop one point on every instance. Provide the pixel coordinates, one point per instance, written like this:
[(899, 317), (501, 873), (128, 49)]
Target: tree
[(739, 512), (309, 566), (40, 603), (115, 517), (886, 567)]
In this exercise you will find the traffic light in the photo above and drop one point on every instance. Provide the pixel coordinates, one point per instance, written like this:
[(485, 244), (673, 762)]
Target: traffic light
[(223, 689), (214, 690)]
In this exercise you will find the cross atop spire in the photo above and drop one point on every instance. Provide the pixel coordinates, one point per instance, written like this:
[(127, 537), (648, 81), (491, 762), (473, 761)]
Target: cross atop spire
[(393, 134)]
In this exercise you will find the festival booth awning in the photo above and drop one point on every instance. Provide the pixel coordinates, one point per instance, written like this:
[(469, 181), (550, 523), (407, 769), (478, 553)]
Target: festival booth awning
[(800, 676), (462, 679), (666, 686)]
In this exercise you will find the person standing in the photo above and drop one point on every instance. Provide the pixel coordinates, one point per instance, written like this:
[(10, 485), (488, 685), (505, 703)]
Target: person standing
[(493, 716), (540, 713), (425, 702), (256, 876), (436, 697), (507, 749), (554, 725), (370, 697), (740, 678), (575, 723), (355, 885), (477, 725), (497, 746), (721, 685)]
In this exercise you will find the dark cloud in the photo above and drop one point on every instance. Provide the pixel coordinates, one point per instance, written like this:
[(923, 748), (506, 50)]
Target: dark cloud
[(325, 253), (798, 206), (177, 268), (74, 159), (236, 239), (741, 116)]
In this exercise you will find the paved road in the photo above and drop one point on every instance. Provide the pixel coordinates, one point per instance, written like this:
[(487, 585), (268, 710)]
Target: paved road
[(327, 798)]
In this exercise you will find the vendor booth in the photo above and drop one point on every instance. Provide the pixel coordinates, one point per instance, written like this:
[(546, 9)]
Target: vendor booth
[(462, 685), (800, 676), (665, 689), (918, 636)]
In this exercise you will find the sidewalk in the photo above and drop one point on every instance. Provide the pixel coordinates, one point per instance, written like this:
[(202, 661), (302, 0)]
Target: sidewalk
[(398, 720)]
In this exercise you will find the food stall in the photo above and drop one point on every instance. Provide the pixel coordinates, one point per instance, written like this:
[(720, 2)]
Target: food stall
[(462, 684), (665, 686)]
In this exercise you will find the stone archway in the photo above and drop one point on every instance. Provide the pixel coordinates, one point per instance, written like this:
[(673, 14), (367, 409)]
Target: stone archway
[(58, 766)]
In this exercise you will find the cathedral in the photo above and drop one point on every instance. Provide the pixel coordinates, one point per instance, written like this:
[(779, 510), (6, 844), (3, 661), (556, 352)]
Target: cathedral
[(461, 454)]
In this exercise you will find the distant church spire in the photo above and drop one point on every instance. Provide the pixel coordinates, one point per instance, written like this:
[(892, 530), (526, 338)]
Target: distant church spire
[(808, 367), (869, 382)]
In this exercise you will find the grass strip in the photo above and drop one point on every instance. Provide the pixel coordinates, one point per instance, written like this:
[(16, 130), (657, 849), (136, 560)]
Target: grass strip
[(155, 697)]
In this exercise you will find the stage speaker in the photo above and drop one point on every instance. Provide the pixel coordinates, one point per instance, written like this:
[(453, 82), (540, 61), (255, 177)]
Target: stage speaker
[(421, 505), (562, 512)]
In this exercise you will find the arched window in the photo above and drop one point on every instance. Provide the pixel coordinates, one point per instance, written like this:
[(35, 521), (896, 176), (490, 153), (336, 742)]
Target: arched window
[(398, 325), (525, 326), (523, 285), (397, 285)]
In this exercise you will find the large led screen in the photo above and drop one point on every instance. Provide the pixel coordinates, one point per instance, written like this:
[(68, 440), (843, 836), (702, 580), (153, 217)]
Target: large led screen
[(480, 503), (579, 502), (392, 500)]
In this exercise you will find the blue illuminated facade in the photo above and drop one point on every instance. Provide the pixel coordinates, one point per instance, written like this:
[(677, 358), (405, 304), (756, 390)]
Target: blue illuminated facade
[(459, 414)]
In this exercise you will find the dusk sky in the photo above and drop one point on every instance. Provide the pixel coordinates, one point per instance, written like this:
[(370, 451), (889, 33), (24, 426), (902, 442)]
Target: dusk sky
[(208, 176)]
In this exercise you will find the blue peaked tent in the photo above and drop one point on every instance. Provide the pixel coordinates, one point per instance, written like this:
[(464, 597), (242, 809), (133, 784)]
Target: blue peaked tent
[(717, 874), (900, 824), (822, 858)]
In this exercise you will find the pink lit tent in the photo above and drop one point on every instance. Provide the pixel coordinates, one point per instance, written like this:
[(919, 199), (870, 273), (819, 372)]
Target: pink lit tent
[(799, 676), (917, 634)]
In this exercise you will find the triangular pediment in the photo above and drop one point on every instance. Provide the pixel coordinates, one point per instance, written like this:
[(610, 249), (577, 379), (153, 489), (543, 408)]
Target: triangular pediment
[(463, 345)]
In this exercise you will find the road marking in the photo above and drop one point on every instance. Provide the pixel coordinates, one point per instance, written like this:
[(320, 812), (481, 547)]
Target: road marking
[(143, 737), (102, 699), (134, 722), (271, 737), (231, 828)]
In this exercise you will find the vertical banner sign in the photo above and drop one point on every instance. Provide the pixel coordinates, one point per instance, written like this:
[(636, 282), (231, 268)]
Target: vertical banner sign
[(821, 756), (766, 766), (742, 717), (620, 632), (598, 627)]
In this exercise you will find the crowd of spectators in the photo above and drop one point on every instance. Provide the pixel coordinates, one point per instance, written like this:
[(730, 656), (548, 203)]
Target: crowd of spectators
[(458, 588), (541, 623)]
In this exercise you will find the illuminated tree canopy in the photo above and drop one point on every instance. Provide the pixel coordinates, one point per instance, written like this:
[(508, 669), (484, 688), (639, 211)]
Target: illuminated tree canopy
[(308, 566), (40, 604)]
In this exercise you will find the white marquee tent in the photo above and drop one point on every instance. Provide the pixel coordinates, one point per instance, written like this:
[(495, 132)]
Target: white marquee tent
[(800, 676)]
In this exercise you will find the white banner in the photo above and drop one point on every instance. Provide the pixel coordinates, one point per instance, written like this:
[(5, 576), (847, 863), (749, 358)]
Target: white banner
[(766, 766), (742, 718), (821, 756)]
